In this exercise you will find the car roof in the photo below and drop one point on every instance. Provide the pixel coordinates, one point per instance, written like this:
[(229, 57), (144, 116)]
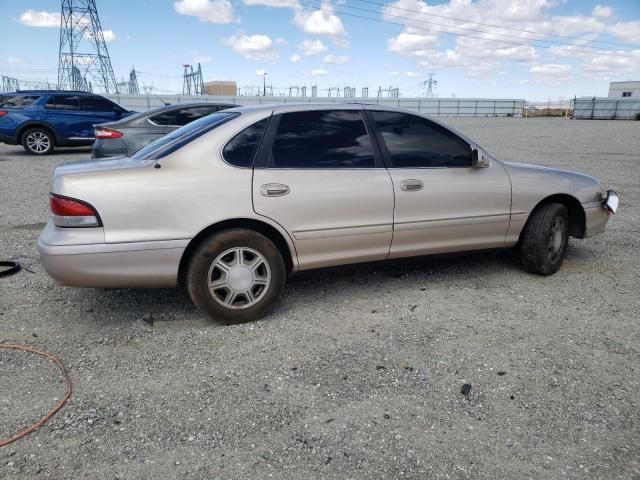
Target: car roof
[(51, 92)]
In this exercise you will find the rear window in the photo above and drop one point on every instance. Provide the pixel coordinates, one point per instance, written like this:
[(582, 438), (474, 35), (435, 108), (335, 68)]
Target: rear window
[(17, 101), (180, 137)]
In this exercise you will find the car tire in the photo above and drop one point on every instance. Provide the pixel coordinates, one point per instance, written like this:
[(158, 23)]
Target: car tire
[(38, 141), (235, 275), (545, 238)]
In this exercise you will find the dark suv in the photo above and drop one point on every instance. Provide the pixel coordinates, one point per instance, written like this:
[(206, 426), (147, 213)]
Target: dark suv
[(41, 120)]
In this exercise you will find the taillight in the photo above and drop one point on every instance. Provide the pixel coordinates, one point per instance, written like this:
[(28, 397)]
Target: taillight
[(102, 133), (3, 113), (69, 212)]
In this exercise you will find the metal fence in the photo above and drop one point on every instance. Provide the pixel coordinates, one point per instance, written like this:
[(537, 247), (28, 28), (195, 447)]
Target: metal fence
[(602, 108), (443, 107)]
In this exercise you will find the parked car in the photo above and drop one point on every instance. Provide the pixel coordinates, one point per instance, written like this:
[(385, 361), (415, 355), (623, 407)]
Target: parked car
[(232, 203), (125, 136), (41, 120)]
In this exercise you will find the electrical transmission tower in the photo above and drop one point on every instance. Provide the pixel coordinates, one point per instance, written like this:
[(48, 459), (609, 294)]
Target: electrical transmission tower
[(83, 56), (130, 87), (192, 83), (430, 84), (10, 84)]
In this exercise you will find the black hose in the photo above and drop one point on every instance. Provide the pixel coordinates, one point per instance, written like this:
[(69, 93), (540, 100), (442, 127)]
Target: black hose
[(13, 268)]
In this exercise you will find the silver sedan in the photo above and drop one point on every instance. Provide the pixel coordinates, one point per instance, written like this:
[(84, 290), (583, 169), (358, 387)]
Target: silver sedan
[(232, 203)]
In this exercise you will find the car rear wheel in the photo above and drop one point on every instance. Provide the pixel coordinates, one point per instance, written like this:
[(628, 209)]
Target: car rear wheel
[(38, 141), (545, 239), (235, 275)]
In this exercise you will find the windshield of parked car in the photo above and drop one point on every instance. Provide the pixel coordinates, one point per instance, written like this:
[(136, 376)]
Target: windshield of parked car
[(180, 137)]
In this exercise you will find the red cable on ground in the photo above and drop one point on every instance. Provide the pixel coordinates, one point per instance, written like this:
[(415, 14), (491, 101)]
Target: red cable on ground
[(55, 409)]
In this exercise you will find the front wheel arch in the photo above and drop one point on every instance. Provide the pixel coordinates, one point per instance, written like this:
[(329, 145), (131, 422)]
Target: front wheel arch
[(577, 219), (44, 126)]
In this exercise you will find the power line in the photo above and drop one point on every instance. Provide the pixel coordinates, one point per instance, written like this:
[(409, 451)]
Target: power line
[(495, 26), (485, 32), (381, 20)]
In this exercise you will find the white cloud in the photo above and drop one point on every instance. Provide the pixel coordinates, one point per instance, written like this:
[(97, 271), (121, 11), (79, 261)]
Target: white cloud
[(482, 54), (109, 36), (207, 11), (551, 73), (295, 58), (411, 44), (336, 59), (280, 41), (318, 71), (32, 18), (411, 74), (273, 3), (601, 11), (395, 73), (254, 47), (11, 59), (626, 31), (312, 47), (319, 22), (601, 65), (261, 72)]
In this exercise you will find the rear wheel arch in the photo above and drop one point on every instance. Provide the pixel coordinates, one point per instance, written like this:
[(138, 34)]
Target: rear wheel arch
[(269, 231), (44, 126), (577, 220)]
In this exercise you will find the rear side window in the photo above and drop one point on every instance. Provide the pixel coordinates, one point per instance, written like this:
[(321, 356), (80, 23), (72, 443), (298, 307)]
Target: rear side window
[(165, 118), (419, 143), (63, 102), (322, 139), (182, 136), (241, 149), (97, 104), (17, 101), (188, 115)]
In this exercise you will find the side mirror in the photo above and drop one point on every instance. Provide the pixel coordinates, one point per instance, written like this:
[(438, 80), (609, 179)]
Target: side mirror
[(479, 159)]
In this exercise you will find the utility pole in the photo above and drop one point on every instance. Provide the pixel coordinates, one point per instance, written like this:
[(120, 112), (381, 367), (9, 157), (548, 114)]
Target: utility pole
[(264, 84), (82, 53), (430, 84)]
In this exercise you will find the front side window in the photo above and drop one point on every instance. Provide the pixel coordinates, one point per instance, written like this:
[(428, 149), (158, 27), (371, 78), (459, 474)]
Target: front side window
[(419, 143), (322, 139), (241, 149), (98, 104), (64, 102)]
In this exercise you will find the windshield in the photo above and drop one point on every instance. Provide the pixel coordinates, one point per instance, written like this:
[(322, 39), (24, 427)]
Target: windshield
[(180, 137)]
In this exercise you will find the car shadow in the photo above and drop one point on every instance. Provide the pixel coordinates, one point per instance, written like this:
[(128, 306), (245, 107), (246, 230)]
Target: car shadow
[(165, 306)]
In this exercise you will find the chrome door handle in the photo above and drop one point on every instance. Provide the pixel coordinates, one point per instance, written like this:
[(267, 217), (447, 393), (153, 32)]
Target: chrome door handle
[(411, 185), (274, 189)]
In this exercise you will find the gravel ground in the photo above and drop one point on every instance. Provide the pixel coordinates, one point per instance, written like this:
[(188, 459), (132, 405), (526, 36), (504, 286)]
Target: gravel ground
[(357, 372)]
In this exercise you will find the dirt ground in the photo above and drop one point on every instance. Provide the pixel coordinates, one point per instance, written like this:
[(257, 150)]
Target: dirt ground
[(357, 371)]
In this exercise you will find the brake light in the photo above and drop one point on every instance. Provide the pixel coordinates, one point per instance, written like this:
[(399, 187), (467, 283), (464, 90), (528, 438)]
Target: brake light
[(3, 113), (70, 212), (102, 133)]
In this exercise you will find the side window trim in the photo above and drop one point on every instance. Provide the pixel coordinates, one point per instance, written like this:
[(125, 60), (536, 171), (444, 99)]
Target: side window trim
[(387, 155), (264, 159)]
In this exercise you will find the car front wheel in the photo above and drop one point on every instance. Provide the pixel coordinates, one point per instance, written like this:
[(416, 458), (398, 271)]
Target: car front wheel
[(38, 141), (235, 275), (545, 239)]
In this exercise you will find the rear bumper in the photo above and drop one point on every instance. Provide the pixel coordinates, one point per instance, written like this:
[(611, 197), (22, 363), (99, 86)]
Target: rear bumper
[(118, 265)]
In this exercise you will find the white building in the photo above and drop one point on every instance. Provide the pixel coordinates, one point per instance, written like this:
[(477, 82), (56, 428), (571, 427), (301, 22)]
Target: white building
[(624, 90)]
